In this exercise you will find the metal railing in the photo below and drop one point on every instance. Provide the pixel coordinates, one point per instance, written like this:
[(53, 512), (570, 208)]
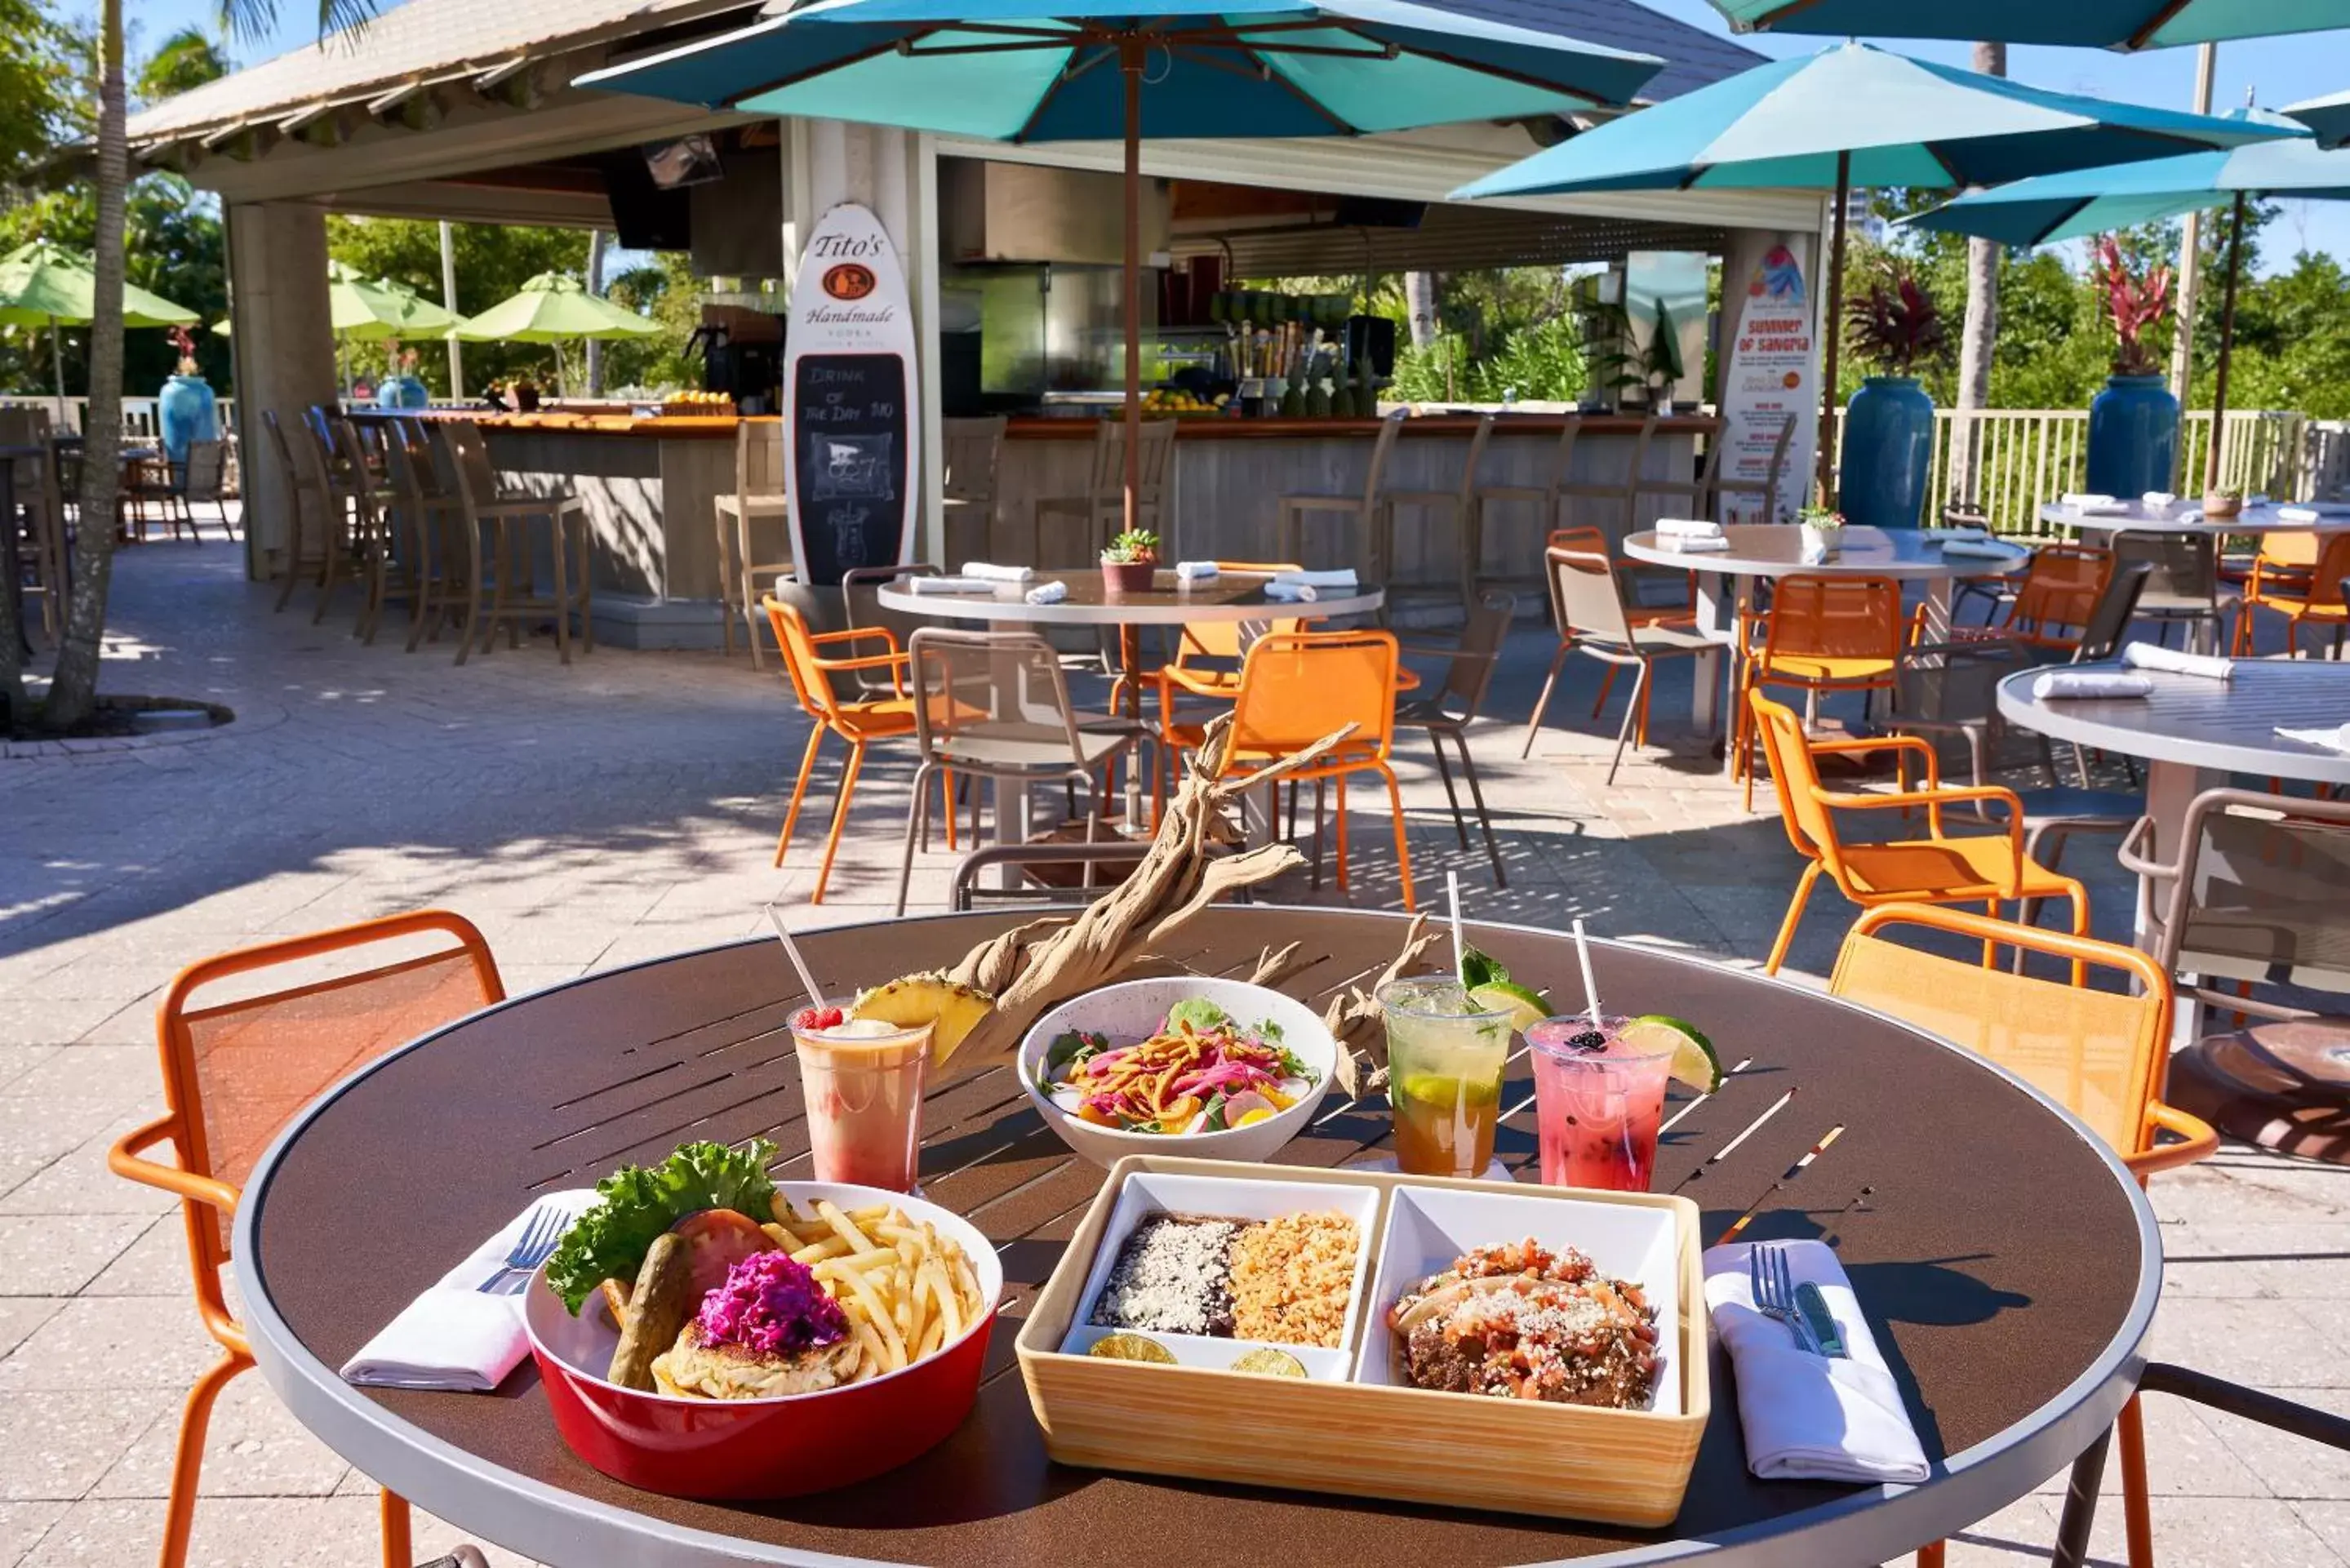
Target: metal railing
[(139, 416)]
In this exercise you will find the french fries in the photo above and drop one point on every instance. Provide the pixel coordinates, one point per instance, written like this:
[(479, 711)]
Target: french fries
[(907, 1291)]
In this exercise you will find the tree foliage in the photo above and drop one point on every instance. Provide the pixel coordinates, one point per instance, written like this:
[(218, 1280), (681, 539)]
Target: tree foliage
[(493, 262)]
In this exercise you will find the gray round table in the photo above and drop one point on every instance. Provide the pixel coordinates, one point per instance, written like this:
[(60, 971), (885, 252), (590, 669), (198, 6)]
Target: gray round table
[(1726, 579), (2185, 518)]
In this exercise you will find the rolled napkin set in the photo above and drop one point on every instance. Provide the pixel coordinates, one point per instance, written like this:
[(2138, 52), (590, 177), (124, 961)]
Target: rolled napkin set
[(1197, 571), (2091, 502), (2172, 661), (1688, 528), (984, 572), (1807, 1416), (1305, 588), (1051, 593), (964, 585), (1980, 548), (2158, 499), (2091, 684), (455, 1336), (2314, 512)]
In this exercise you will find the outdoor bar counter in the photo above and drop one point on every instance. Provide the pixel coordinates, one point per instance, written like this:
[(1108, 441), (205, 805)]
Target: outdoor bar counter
[(647, 483)]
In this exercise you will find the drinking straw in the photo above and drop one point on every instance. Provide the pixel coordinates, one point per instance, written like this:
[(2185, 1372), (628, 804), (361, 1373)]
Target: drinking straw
[(1582, 956), (1452, 896), (792, 952)]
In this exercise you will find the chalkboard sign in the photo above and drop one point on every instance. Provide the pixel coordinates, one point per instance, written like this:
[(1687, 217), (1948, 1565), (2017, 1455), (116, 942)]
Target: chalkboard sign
[(850, 447), (850, 504)]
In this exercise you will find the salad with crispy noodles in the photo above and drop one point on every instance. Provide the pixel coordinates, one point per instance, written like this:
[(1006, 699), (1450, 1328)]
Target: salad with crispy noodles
[(1200, 1072)]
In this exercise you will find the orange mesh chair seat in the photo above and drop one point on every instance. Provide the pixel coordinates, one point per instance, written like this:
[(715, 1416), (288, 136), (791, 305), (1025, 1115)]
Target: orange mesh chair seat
[(1822, 634), (236, 1067), (2055, 604), (1979, 869), (2102, 1055), (2302, 593), (1297, 687)]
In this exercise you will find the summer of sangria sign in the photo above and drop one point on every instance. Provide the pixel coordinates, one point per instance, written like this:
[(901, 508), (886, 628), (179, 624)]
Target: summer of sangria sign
[(1770, 379), (849, 434)]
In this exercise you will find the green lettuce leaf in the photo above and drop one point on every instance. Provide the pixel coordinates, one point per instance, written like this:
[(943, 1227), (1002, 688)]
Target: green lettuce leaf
[(1200, 1013), (635, 1204)]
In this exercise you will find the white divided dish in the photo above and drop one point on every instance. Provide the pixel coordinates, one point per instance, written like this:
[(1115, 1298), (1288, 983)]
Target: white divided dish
[(1428, 1227), (1147, 1193)]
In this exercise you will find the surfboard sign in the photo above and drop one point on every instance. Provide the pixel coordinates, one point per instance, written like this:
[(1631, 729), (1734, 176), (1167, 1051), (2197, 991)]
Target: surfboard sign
[(850, 438)]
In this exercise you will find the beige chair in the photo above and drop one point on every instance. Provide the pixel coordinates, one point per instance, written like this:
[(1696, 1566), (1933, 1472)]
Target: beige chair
[(1545, 497), (1446, 714), (758, 497), (341, 481), (1355, 515), (432, 520), (1458, 506), (2185, 587), (994, 705), (382, 572), (499, 522), (202, 478), (1072, 530), (301, 474), (974, 453), (1587, 601)]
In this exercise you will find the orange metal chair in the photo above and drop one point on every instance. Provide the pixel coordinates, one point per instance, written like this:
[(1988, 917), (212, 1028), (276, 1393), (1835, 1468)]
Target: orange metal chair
[(858, 721), (1979, 869), (2102, 1055), (1297, 687), (234, 1072), (1821, 634), (2299, 575), (2052, 606)]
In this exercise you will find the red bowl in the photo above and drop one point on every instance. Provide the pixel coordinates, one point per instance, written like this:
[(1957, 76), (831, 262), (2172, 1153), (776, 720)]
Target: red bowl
[(781, 1447)]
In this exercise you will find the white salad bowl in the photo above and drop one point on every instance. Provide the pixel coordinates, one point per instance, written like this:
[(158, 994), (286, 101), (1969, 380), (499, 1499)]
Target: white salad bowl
[(1130, 1012)]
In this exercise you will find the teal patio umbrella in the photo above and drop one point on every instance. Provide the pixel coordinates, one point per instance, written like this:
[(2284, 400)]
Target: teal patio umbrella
[(1853, 115), (1023, 70), (2328, 116), (2095, 201), (2100, 24)]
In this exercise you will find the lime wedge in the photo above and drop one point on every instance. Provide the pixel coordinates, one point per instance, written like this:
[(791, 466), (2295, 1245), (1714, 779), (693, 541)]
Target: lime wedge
[(1694, 1062), (1524, 1005), (1131, 1347)]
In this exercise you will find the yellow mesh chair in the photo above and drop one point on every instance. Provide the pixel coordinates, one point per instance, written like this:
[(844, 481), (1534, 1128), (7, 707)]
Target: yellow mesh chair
[(2102, 1055), (1297, 687), (1979, 869), (236, 1070), (1822, 634)]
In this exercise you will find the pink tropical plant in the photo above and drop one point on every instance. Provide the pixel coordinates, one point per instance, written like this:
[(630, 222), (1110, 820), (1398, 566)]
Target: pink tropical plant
[(2136, 303)]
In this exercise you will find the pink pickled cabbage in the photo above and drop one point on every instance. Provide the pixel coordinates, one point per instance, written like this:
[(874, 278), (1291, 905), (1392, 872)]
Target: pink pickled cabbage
[(770, 1306)]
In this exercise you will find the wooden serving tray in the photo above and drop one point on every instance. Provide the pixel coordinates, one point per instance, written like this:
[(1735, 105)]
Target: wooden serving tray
[(1519, 1455)]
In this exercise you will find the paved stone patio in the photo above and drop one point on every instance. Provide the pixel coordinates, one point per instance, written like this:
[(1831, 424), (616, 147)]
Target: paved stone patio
[(626, 808)]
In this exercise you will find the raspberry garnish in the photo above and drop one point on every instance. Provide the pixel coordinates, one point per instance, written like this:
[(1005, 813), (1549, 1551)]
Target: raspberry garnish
[(811, 1020)]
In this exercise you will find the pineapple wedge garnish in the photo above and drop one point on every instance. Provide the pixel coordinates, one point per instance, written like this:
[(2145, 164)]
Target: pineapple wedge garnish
[(953, 1007)]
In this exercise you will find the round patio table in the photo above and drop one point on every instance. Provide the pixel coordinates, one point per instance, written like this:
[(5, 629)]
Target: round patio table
[(2013, 1320), (2137, 517), (1726, 579)]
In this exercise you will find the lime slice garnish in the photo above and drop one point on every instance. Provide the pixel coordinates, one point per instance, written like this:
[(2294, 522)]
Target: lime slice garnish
[(1694, 1062), (1524, 1005), (1131, 1347), (1267, 1362)]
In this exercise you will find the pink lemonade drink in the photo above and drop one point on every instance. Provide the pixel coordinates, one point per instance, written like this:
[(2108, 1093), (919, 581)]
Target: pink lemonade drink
[(862, 1083), (1597, 1100)]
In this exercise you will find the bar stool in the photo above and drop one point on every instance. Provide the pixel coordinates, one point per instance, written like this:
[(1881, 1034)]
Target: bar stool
[(1356, 514), (1081, 525), (1545, 495), (974, 453), (758, 496), (510, 513), (380, 570), (339, 479), (435, 519), (1460, 504), (305, 495), (41, 558)]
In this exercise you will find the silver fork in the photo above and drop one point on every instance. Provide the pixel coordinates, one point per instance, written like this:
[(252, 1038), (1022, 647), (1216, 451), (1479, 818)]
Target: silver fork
[(537, 1244), (1774, 1291)]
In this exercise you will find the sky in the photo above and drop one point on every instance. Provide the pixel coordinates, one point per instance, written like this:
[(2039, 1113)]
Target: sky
[(2279, 70)]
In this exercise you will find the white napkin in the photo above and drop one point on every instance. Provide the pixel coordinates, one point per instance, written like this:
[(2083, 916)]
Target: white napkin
[(2333, 740), (946, 585), (1957, 531), (1806, 1416), (2154, 656), (1689, 527), (1048, 593), (453, 1336), (2089, 683), (1697, 543), (1979, 549), (991, 574), (1288, 592), (2158, 498), (1341, 578), (1195, 571), (2086, 501)]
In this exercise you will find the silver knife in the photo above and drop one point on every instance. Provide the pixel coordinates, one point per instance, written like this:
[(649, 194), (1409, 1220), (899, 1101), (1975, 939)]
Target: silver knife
[(1822, 1321)]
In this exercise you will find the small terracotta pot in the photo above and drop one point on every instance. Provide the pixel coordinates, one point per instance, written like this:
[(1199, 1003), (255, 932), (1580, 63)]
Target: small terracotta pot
[(2215, 506), (1130, 578)]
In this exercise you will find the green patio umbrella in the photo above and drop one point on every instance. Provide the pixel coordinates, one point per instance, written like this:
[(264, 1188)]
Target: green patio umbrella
[(42, 282), (2328, 116), (1068, 70), (1853, 115), (370, 310), (553, 309), (2100, 24), (2096, 200)]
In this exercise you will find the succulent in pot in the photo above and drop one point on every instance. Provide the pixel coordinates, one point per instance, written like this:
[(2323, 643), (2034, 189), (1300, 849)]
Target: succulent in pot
[(2217, 504), (1128, 564)]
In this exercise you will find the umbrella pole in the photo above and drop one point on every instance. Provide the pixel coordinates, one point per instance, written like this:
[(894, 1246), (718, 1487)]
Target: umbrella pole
[(58, 368), (1130, 65), (2227, 344), (1832, 326)]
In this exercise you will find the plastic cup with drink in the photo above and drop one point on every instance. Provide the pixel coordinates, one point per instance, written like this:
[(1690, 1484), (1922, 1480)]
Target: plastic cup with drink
[(861, 1080), (1445, 1057)]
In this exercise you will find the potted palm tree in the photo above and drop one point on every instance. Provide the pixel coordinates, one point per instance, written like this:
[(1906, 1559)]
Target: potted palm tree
[(2134, 422), (1129, 564), (1893, 325)]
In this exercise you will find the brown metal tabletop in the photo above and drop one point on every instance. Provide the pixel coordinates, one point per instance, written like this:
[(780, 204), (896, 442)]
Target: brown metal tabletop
[(2007, 1264)]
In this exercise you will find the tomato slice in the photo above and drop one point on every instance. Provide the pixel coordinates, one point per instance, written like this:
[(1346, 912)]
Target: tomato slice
[(717, 1239)]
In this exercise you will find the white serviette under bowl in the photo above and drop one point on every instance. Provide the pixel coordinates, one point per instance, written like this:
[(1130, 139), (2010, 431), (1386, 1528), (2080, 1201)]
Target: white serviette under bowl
[(454, 1336), (1806, 1416), (2089, 685)]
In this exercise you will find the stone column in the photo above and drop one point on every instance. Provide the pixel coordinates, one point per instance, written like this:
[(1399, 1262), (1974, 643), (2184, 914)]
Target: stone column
[(284, 349)]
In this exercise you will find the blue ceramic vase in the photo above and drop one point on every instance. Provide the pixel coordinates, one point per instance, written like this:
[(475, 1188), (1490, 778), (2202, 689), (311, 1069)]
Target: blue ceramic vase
[(1888, 448), (402, 392), (186, 410), (2133, 436)]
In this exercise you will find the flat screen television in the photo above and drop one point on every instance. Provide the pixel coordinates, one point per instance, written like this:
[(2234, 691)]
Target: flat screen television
[(688, 160)]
